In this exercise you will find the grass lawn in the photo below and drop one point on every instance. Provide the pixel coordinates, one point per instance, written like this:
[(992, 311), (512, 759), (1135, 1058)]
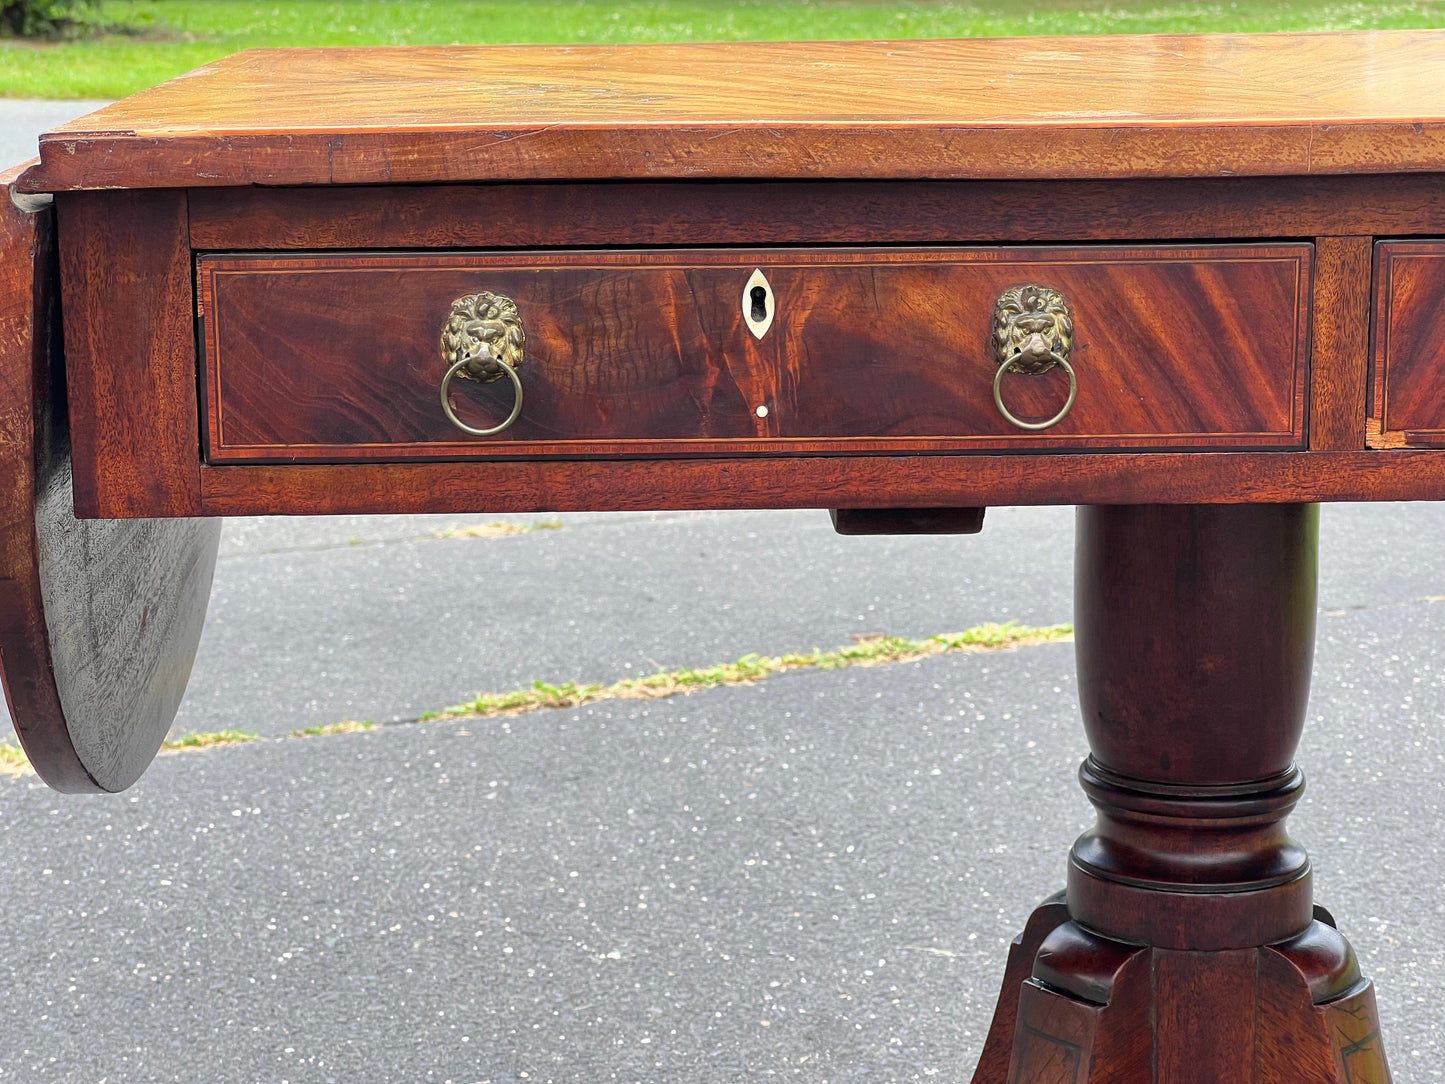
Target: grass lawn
[(168, 37)]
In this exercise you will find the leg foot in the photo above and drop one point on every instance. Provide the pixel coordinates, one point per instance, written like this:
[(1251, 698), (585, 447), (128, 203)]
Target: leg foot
[(1319, 1010), (993, 1063), (1097, 1011)]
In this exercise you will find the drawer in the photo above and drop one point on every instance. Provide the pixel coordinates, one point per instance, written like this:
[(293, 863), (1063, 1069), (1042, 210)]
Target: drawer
[(1407, 403), (329, 356)]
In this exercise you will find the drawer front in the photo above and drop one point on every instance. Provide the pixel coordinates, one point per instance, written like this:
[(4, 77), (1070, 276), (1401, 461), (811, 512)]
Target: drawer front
[(336, 356), (1407, 405)]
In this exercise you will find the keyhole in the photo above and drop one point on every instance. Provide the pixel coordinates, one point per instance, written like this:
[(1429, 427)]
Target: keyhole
[(757, 304), (759, 297)]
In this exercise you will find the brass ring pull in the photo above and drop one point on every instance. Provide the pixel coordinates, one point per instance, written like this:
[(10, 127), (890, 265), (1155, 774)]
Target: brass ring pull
[(482, 340), (1032, 332), (1068, 404), (463, 426)]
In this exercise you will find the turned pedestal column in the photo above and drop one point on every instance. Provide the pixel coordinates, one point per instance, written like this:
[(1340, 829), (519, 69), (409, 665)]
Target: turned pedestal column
[(1187, 948)]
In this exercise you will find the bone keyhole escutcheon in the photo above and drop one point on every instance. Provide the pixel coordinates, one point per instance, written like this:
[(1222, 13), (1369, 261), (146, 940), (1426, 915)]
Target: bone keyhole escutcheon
[(758, 304)]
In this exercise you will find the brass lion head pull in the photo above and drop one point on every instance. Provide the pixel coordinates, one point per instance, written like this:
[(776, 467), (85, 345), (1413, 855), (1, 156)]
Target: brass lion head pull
[(482, 330), (1032, 332), (482, 340)]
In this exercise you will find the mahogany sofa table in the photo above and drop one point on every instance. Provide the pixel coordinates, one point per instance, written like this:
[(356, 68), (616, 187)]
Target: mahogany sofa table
[(1190, 284)]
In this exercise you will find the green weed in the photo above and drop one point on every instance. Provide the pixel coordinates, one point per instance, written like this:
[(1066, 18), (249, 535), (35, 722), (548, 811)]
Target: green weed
[(350, 726), (206, 739), (13, 760), (500, 530), (753, 668)]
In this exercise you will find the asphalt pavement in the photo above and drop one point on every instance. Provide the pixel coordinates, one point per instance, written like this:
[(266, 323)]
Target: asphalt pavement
[(21, 122), (813, 878)]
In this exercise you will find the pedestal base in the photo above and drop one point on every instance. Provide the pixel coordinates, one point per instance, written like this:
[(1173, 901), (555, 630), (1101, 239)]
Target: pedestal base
[(1187, 949), (1077, 1008)]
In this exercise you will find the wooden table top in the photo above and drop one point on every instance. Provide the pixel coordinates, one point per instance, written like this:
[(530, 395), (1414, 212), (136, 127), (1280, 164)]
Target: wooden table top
[(1082, 107)]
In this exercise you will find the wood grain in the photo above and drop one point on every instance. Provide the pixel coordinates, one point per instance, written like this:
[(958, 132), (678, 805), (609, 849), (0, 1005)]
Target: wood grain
[(1353, 1024), (1409, 354), (130, 352), (1055, 1038), (29, 318), (993, 1063), (811, 212), (1065, 1037), (1205, 1026), (1164, 106), (824, 482), (1193, 722), (323, 357), (1172, 1017), (1240, 586), (1318, 1012), (99, 620), (124, 601), (1339, 366)]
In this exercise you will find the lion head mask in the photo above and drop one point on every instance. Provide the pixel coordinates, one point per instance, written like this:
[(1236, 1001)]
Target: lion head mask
[(1032, 329)]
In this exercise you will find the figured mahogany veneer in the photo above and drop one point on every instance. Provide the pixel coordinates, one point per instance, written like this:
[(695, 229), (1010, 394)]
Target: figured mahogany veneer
[(1408, 408), (321, 357)]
